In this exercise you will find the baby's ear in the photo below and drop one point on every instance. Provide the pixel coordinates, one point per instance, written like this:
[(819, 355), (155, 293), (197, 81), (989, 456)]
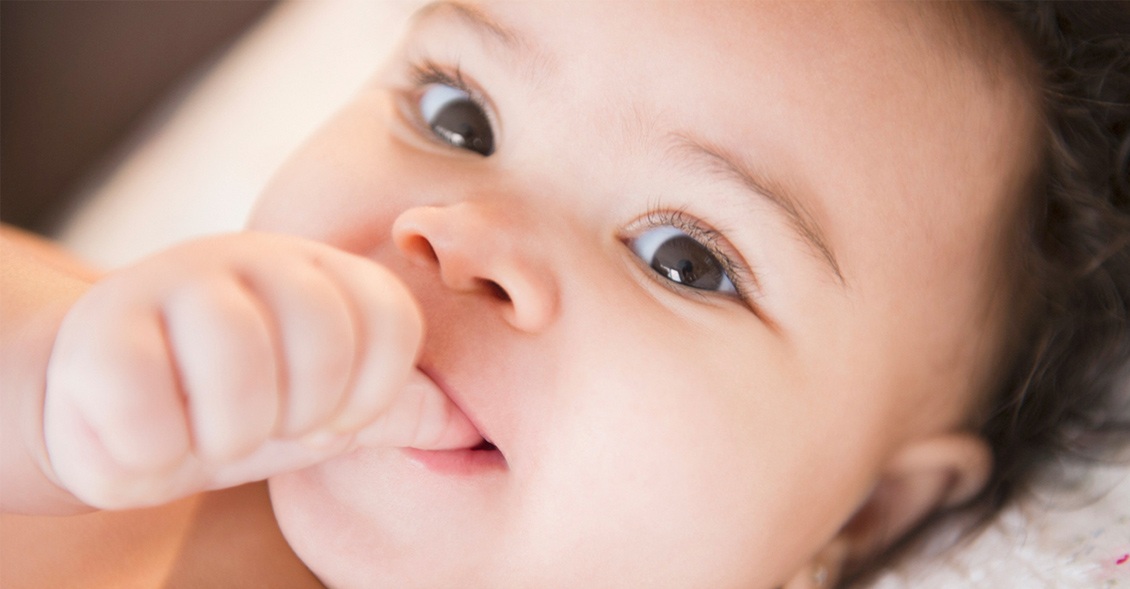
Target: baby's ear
[(922, 477)]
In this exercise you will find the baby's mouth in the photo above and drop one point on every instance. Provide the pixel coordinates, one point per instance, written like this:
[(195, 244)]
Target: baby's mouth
[(488, 449), (481, 457), (485, 446)]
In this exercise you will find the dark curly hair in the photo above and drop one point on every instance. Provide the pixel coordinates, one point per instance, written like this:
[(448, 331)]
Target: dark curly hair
[(1064, 395)]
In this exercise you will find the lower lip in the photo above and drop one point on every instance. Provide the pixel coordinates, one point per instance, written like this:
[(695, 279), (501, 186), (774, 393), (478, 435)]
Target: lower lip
[(464, 462)]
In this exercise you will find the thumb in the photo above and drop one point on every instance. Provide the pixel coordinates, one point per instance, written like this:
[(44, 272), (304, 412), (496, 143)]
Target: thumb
[(421, 416)]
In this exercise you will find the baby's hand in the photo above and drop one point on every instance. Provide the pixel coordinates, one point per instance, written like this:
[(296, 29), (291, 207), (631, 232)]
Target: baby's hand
[(230, 359)]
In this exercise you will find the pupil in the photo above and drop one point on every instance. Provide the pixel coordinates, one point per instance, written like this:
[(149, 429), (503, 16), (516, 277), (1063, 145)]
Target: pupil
[(463, 124), (686, 271), (685, 261)]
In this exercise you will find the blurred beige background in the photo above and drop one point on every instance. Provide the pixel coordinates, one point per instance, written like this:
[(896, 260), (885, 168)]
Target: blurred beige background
[(78, 76), (201, 139)]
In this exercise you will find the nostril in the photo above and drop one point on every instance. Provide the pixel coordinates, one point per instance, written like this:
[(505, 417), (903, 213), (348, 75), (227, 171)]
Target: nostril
[(427, 251), (495, 289), (421, 248)]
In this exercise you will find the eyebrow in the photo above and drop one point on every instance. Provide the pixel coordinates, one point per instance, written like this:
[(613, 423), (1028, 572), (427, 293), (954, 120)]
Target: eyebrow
[(530, 61), (720, 160), (478, 20)]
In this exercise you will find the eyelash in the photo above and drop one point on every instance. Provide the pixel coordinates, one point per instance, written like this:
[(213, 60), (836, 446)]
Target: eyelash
[(429, 72), (426, 72), (714, 241)]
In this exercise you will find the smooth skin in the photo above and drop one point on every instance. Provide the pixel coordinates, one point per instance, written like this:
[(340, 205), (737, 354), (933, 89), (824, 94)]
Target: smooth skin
[(860, 165), (856, 164), (225, 360)]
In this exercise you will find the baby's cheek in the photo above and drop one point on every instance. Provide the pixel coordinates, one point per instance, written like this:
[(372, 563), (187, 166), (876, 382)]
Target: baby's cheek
[(336, 179), (650, 479), (306, 528), (314, 201)]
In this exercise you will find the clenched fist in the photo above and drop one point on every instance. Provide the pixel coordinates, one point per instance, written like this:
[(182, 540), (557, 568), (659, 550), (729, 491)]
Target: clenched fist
[(229, 359)]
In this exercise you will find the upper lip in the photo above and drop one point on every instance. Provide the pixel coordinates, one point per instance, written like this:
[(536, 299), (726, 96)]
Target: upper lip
[(459, 402)]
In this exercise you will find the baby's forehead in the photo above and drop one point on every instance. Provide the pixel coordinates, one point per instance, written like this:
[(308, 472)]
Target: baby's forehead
[(668, 39)]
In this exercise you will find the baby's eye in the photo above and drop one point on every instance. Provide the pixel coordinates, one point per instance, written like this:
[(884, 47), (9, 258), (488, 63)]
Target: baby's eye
[(456, 118), (682, 259)]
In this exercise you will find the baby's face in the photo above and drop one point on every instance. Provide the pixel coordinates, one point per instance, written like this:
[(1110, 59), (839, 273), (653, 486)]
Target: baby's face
[(720, 262)]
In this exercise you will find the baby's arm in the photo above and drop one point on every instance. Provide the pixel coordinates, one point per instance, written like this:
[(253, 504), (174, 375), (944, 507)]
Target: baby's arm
[(38, 283), (227, 360)]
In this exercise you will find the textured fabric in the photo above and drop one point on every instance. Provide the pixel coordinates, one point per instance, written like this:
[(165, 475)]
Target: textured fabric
[(1078, 539)]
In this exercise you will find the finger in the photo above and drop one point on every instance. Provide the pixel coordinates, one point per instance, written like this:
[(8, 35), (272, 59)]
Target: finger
[(82, 464), (124, 385), (421, 416), (389, 330), (92, 475), (225, 353), (315, 330), (277, 456)]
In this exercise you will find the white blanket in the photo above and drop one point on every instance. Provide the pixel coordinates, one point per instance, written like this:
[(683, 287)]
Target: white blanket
[(1067, 539)]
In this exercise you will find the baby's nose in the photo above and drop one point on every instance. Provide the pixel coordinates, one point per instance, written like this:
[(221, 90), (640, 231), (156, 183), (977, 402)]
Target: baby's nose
[(483, 252)]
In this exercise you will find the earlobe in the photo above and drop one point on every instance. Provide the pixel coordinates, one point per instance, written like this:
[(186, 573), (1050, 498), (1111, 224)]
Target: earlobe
[(824, 570), (923, 477)]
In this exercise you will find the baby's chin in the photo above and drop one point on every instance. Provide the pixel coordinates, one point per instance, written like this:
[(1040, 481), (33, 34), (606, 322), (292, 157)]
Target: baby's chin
[(323, 533), (358, 540), (287, 498)]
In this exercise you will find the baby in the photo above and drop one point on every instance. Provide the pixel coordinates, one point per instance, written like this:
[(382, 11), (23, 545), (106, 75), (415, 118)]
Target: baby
[(588, 295)]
